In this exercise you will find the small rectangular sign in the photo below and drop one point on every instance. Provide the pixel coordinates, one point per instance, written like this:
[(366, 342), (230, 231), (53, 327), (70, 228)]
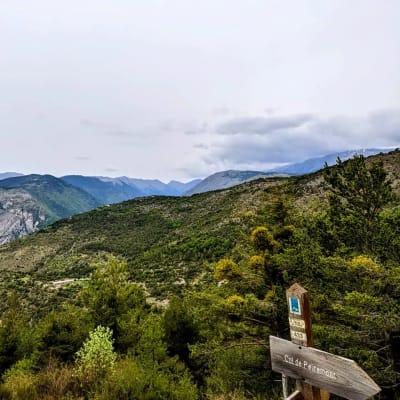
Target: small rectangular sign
[(296, 335), (294, 305), (297, 323)]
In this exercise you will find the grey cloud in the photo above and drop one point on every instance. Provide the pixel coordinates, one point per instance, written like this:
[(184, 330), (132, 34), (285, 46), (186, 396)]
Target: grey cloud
[(377, 129), (108, 129), (160, 83), (189, 127), (387, 121), (201, 168), (99, 125), (82, 158), (119, 133), (111, 169), (269, 110), (88, 123), (198, 129), (166, 126), (262, 125), (85, 122), (222, 111), (279, 150), (200, 146), (319, 136)]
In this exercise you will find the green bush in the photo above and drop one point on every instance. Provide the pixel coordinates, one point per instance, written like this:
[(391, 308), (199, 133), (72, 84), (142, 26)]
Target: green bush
[(263, 239), (96, 357), (227, 269)]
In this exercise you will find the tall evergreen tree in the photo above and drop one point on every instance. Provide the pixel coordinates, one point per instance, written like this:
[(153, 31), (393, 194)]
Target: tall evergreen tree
[(357, 194)]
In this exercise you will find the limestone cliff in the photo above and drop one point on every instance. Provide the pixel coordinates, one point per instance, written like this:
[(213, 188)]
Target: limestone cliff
[(20, 214)]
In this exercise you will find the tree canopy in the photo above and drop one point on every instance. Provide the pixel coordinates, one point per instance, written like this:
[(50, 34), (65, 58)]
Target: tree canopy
[(357, 194)]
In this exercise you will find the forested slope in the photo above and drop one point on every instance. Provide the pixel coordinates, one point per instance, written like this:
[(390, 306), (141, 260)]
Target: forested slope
[(221, 262)]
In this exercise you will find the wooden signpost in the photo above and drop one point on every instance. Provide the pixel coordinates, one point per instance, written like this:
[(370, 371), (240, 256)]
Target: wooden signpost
[(299, 315), (337, 375), (317, 372)]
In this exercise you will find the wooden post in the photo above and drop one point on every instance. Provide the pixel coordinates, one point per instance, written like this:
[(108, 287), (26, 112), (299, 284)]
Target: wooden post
[(301, 332), (285, 387), (317, 373)]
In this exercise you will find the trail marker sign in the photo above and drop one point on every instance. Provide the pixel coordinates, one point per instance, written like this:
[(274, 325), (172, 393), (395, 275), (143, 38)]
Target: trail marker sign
[(337, 375), (301, 332), (317, 372), (299, 315), (294, 305)]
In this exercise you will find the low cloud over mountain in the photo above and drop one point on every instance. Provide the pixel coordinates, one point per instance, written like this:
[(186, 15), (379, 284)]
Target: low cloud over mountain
[(262, 142), (261, 125)]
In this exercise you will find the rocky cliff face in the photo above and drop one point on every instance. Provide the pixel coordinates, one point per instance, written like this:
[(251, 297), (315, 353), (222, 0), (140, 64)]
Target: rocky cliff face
[(31, 202), (20, 214)]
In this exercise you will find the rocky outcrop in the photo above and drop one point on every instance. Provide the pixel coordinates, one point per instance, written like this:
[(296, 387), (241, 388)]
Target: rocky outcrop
[(20, 214)]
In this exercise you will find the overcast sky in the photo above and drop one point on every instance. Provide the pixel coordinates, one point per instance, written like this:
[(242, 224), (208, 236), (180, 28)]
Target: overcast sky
[(179, 89)]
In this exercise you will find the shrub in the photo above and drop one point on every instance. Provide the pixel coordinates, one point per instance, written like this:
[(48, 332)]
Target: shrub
[(235, 300), (131, 380), (263, 239), (364, 264), (227, 269), (257, 263), (19, 383), (55, 381), (96, 357)]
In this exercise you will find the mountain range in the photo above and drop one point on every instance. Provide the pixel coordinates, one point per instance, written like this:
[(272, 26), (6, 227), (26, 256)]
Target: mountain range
[(167, 241), (225, 179), (314, 164), (5, 175), (31, 202)]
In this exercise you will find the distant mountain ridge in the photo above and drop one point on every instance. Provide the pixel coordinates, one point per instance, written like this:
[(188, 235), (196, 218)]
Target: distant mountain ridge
[(6, 175), (154, 187), (104, 191), (114, 190), (30, 202), (316, 163), (59, 198), (182, 188), (225, 179)]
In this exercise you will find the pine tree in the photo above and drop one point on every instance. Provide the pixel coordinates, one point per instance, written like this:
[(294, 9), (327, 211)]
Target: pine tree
[(357, 195)]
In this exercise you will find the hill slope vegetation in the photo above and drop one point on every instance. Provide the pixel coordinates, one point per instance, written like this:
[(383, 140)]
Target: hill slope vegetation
[(215, 267)]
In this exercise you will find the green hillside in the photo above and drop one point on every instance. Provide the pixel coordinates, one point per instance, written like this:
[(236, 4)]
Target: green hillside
[(162, 238), (222, 260), (57, 198), (31, 202)]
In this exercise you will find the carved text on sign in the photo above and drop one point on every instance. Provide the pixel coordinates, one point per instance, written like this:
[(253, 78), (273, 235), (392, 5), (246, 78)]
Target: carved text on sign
[(296, 335), (310, 367), (297, 323)]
